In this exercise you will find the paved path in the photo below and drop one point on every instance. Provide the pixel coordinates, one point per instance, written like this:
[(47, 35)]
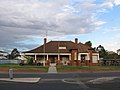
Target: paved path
[(52, 69), (25, 80)]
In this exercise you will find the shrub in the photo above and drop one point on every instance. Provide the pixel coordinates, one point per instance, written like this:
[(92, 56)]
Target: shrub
[(30, 60)]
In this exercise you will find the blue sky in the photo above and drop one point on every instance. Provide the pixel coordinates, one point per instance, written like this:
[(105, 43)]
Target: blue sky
[(25, 23)]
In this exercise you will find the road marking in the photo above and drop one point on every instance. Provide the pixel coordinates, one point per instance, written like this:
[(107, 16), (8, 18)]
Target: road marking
[(75, 81), (50, 79), (102, 80)]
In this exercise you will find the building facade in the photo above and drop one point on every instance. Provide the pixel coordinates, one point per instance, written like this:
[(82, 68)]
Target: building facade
[(64, 53), (3, 55)]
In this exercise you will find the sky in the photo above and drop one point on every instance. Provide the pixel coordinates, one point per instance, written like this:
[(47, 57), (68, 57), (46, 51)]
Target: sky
[(25, 23)]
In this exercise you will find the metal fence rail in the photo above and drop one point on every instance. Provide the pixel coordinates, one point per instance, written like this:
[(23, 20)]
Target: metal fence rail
[(10, 61), (110, 62)]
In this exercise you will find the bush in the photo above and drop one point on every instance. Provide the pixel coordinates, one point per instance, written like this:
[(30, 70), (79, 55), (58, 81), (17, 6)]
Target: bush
[(21, 64), (39, 64), (30, 61)]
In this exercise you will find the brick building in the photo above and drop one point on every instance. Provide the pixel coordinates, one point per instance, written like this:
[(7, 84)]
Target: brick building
[(64, 53)]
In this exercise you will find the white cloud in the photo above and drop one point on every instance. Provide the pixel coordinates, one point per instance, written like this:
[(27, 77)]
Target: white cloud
[(103, 10), (21, 19), (117, 2), (110, 3), (100, 23), (117, 36), (112, 29), (112, 46), (107, 5)]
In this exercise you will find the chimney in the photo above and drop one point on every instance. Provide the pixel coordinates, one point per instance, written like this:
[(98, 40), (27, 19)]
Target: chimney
[(76, 40), (45, 40)]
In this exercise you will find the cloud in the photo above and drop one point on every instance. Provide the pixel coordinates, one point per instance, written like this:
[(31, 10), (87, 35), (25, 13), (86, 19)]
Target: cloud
[(100, 22), (110, 3), (107, 5), (26, 19), (112, 46), (117, 2), (112, 29)]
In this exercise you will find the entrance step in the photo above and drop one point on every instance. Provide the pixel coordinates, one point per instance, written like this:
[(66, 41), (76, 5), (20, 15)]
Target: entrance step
[(52, 69), (52, 64)]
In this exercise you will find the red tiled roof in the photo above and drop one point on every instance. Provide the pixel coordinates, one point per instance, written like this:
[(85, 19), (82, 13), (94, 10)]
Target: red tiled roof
[(53, 47)]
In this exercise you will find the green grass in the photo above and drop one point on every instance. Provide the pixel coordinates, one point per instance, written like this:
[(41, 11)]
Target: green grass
[(30, 67), (22, 67), (87, 67)]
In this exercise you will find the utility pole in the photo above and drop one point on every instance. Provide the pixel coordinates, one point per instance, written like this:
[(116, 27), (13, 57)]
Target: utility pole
[(44, 47), (44, 56)]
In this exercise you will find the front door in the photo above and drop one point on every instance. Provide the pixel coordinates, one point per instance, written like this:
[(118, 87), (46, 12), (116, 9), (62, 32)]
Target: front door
[(52, 60)]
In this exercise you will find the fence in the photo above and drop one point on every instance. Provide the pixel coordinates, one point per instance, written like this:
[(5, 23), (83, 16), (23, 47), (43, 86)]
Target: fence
[(110, 62), (10, 61)]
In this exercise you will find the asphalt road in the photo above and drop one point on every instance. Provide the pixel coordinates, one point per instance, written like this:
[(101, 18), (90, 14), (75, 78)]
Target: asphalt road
[(65, 81)]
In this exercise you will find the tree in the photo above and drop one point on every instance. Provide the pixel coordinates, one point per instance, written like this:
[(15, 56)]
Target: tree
[(15, 53), (106, 54), (29, 59), (89, 43), (111, 55), (102, 52)]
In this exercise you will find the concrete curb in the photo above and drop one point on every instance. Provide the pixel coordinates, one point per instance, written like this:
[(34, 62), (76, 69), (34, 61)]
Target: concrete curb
[(23, 80)]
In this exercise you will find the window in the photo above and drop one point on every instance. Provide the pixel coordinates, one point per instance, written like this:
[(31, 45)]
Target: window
[(62, 47), (75, 55), (83, 58)]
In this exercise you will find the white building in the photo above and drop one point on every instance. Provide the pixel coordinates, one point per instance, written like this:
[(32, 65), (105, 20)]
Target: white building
[(3, 55)]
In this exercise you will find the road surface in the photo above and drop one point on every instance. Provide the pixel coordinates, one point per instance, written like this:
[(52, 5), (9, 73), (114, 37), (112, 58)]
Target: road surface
[(64, 81)]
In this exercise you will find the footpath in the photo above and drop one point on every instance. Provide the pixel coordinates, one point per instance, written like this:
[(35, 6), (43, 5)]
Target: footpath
[(23, 80), (52, 69)]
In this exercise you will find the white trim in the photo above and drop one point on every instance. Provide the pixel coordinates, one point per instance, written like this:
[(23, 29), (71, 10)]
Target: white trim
[(29, 54), (65, 53), (94, 58), (62, 47), (96, 54), (47, 53), (35, 57), (87, 56), (47, 56), (69, 57), (58, 56)]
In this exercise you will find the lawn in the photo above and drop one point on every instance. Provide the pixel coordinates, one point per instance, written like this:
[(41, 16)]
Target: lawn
[(28, 67), (88, 67)]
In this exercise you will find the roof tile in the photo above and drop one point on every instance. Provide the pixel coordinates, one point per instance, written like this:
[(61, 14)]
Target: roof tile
[(53, 47)]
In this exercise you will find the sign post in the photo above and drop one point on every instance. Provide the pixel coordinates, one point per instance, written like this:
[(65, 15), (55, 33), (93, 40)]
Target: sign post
[(11, 73)]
